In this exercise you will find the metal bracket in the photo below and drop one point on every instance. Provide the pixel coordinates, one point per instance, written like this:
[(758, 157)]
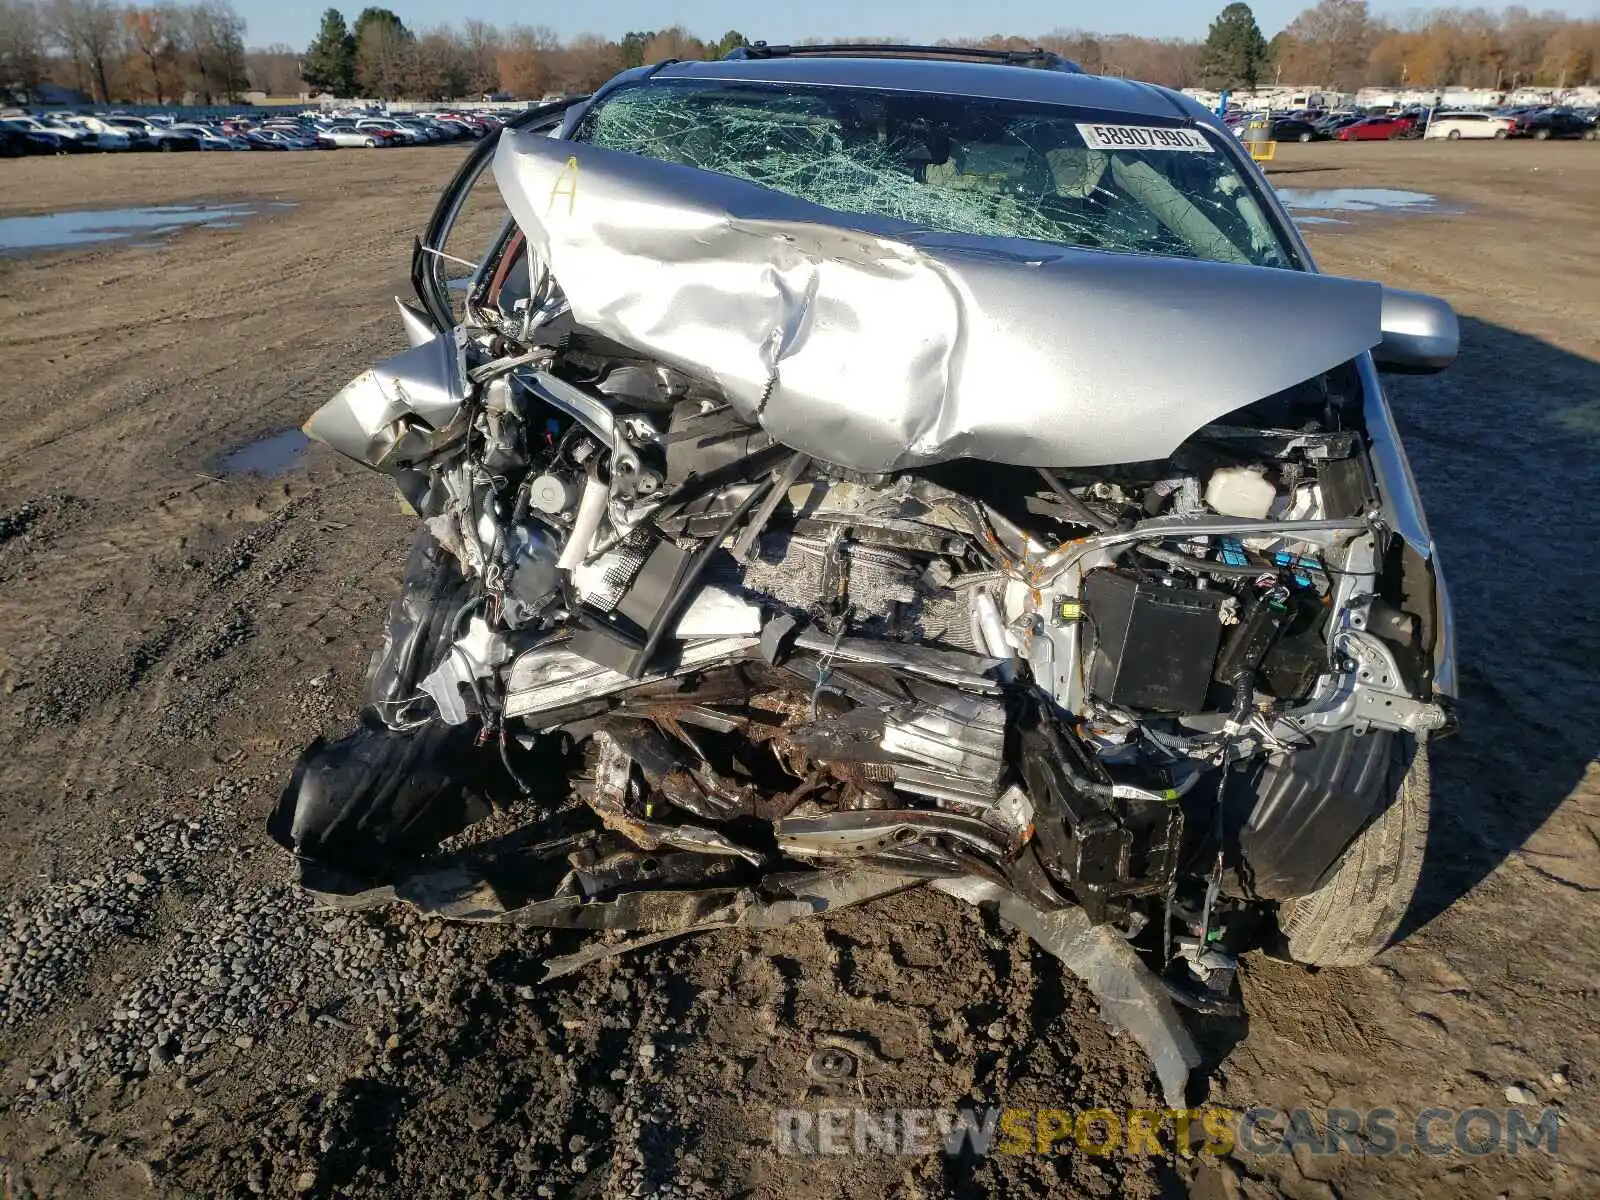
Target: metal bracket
[(1371, 695)]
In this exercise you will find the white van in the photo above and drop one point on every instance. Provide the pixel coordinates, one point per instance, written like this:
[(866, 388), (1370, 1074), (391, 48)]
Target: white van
[(1458, 125)]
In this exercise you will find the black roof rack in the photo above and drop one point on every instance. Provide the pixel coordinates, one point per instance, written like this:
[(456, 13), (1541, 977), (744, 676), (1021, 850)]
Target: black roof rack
[(1037, 57)]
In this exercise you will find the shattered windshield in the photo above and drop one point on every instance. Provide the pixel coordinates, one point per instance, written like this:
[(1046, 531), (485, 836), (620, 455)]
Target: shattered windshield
[(955, 164)]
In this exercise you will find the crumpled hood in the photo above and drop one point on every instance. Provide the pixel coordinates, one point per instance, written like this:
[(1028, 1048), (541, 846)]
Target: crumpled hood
[(878, 346)]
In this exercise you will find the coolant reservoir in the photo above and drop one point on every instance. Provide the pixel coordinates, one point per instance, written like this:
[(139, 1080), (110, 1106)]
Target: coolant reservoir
[(1240, 492)]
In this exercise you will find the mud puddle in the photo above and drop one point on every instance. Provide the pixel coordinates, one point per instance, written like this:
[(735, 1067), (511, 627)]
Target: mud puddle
[(58, 231), (270, 455), (1321, 201)]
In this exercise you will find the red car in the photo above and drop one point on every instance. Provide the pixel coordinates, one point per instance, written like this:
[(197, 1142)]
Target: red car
[(1376, 129)]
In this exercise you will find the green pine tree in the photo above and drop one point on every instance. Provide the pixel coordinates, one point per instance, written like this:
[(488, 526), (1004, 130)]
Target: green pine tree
[(330, 62), (1235, 54)]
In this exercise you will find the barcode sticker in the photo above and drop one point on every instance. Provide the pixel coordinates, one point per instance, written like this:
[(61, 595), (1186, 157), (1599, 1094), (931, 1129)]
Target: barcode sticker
[(1144, 137)]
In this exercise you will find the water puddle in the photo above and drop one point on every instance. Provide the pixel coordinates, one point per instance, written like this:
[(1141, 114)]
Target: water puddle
[(270, 455), (1354, 200), (55, 231)]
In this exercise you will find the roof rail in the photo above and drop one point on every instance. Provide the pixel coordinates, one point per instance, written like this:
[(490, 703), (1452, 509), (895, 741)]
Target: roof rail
[(1036, 57)]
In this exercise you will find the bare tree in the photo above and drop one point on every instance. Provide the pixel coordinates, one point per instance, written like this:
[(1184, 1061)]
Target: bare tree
[(480, 47), (216, 44), (386, 63), (528, 59), (589, 62), (150, 43), (88, 31), (675, 42), (274, 70), (439, 65), (1328, 44), (22, 46)]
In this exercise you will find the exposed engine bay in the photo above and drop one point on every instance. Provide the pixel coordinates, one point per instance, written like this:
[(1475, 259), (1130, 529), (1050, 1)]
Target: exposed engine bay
[(745, 683)]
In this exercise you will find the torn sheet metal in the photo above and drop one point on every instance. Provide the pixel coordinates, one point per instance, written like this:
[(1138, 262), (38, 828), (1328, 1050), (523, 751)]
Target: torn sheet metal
[(474, 656), (464, 891), (547, 677), (398, 410), (874, 345), (1130, 997)]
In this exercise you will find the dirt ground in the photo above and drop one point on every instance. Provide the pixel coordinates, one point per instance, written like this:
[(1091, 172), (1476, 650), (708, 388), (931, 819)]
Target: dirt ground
[(175, 1021)]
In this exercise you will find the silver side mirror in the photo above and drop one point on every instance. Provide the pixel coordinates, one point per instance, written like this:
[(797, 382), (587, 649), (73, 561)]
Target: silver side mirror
[(1420, 334)]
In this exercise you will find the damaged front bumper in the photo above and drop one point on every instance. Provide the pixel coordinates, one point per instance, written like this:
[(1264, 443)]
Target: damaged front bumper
[(489, 884)]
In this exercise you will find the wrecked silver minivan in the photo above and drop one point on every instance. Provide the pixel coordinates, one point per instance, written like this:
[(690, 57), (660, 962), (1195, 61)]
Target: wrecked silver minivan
[(843, 474)]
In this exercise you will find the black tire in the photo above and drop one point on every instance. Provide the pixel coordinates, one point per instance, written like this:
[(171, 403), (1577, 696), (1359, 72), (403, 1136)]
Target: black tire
[(166, 145), (1454, 135), (1590, 135), (1541, 135), (371, 143), (1355, 913), (1306, 137), (1501, 135)]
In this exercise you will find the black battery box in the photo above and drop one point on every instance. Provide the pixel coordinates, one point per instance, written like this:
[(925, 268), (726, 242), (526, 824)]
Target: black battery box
[(1153, 646)]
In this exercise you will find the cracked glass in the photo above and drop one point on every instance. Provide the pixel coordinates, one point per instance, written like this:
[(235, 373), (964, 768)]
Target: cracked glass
[(953, 164)]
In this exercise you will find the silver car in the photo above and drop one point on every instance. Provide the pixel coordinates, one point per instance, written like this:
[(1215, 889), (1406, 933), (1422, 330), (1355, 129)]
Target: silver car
[(346, 135), (842, 474)]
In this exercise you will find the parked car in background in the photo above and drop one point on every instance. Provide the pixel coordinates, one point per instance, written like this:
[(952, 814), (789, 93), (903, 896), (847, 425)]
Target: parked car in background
[(210, 139), (1454, 126), (1330, 125), (421, 131), (32, 141), (155, 136), (474, 125), (1546, 123), (268, 139), (106, 137), (459, 128), (345, 134), (73, 141), (388, 125), (1377, 129), (297, 136), (1295, 129), (16, 142)]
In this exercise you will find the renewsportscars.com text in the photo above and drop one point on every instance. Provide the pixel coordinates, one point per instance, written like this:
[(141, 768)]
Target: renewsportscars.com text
[(1258, 1131)]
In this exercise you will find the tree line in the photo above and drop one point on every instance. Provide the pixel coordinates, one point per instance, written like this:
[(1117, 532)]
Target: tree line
[(111, 51), (378, 56), (170, 51), (1339, 44)]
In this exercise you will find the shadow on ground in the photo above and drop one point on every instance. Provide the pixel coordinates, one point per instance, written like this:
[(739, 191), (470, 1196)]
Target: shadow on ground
[(1504, 447)]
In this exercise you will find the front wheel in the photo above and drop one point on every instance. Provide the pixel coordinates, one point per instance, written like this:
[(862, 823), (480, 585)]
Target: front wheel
[(1356, 912), (1590, 135), (166, 146), (371, 143), (1500, 135), (1541, 135), (1305, 137)]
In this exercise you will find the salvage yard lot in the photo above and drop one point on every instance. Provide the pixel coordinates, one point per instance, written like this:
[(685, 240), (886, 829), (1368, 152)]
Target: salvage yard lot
[(174, 1021)]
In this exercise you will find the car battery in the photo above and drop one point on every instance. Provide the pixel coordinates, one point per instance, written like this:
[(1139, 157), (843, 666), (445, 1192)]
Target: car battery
[(1154, 646)]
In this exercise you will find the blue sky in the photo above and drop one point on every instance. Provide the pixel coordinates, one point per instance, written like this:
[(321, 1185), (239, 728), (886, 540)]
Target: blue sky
[(295, 21)]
